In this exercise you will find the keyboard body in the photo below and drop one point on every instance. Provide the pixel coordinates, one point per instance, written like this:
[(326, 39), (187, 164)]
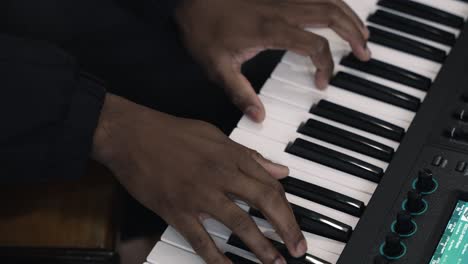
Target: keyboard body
[(435, 138)]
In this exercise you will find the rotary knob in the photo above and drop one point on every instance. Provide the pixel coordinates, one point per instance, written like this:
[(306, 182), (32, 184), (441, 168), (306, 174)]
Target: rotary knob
[(415, 203), (404, 225), (425, 182), (393, 248)]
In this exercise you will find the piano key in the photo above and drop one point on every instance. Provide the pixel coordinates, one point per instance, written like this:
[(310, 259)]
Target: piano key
[(303, 78), (445, 48), (311, 178), (316, 223), (343, 138), (424, 11), (336, 160), (304, 63), (407, 45), (237, 259), (275, 151), (323, 196), (342, 217), (395, 57), (324, 247), (353, 118), (268, 124), (285, 134), (388, 71), (454, 7), (446, 28), (409, 26), (308, 258), (374, 90), (164, 253), (291, 105)]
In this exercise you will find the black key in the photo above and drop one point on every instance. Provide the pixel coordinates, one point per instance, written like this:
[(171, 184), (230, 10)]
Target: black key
[(357, 119), (282, 249), (238, 260), (407, 45), (323, 196), (424, 11), (388, 71), (412, 27), (346, 139), (375, 90), (315, 223), (335, 159)]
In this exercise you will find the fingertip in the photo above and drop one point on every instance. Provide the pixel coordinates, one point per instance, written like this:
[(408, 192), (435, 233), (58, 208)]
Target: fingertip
[(301, 248), (255, 113), (321, 80)]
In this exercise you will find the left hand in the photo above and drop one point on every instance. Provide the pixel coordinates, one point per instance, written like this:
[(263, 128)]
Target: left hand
[(222, 34)]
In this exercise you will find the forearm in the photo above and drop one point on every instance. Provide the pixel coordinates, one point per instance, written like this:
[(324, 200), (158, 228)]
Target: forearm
[(48, 109)]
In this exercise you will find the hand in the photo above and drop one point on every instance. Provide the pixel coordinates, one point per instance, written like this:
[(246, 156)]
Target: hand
[(222, 34), (186, 170)]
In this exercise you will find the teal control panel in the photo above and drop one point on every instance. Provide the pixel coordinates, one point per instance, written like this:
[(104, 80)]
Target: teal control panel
[(453, 246)]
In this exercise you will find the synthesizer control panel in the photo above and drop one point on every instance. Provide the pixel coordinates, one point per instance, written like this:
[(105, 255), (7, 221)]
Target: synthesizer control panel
[(419, 213)]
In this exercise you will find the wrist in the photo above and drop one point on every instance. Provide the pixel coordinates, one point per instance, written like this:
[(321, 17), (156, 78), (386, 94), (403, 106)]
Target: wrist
[(104, 150)]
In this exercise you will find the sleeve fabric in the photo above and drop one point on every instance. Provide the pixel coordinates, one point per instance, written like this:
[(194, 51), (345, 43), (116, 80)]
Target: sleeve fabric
[(48, 111)]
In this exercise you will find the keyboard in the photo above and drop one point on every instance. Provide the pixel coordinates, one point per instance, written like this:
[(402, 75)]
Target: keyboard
[(378, 161)]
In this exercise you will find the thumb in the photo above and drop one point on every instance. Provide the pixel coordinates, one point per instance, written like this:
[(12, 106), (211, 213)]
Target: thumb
[(242, 93)]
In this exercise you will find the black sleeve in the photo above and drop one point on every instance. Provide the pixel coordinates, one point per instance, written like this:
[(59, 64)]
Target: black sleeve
[(48, 112)]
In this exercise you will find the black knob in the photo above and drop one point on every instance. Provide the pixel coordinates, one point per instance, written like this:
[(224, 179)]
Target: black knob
[(380, 260), (403, 224), (425, 181), (461, 114), (393, 246), (414, 202), (457, 133)]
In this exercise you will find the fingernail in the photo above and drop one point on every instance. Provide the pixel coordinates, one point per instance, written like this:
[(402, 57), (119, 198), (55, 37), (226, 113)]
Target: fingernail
[(366, 32), (252, 111), (301, 247), (280, 260)]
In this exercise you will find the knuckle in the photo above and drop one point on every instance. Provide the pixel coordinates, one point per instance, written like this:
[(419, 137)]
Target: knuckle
[(321, 46), (241, 224), (269, 197)]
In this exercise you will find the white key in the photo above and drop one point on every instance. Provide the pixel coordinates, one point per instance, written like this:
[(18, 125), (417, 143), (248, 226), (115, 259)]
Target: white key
[(303, 78), (284, 109), (164, 253), (324, 248), (454, 7), (314, 179), (286, 134), (172, 237), (294, 59), (420, 65), (275, 151)]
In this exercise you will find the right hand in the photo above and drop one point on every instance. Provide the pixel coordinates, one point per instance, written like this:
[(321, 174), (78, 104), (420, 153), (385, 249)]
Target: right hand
[(187, 170), (222, 34)]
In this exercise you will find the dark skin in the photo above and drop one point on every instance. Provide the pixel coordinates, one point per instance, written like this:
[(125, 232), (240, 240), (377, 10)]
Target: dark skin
[(187, 170)]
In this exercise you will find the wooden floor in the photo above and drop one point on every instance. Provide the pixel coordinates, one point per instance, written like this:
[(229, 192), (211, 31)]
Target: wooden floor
[(76, 214)]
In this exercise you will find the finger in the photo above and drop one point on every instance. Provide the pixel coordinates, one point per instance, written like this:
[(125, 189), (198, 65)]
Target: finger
[(276, 170), (284, 36), (335, 17), (201, 242), (339, 3), (245, 228), (267, 195), (241, 91)]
